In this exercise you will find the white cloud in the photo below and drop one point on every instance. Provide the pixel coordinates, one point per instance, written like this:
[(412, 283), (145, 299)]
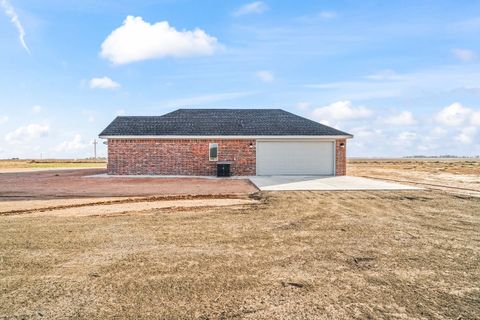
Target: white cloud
[(327, 14), (404, 118), (438, 132), (384, 75), (302, 106), (365, 133), (3, 119), (467, 135), (341, 110), (120, 112), (138, 40), (475, 119), (464, 54), (27, 133), (253, 7), (75, 144), (37, 109), (12, 14), (103, 83), (265, 76), (366, 138), (433, 139), (405, 138), (453, 115)]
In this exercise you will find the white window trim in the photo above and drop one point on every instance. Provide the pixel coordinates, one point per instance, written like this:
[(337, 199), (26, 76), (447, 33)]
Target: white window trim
[(209, 148)]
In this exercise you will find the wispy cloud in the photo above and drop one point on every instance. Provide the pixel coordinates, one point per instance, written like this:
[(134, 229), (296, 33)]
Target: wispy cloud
[(464, 54), (442, 79), (12, 14), (103, 83), (37, 109), (204, 99), (317, 16), (384, 75), (467, 25), (265, 76), (327, 14), (253, 7)]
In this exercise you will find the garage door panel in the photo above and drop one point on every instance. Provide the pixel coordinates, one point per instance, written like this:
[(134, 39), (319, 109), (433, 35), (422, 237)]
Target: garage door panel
[(295, 158)]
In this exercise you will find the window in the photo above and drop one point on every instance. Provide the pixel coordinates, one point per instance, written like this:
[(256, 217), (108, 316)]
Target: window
[(213, 151)]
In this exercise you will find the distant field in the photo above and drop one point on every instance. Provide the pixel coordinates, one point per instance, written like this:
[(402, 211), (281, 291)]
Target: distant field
[(50, 164), (450, 165)]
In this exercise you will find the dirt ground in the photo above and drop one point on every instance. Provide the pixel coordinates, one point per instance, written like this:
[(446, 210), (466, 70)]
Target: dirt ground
[(75, 184), (301, 255), (268, 255), (452, 175)]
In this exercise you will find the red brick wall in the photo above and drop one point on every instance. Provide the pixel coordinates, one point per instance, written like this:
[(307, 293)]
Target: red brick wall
[(190, 157), (178, 157), (341, 157)]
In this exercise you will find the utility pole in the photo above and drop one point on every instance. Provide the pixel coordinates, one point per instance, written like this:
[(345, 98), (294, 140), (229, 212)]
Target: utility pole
[(95, 148)]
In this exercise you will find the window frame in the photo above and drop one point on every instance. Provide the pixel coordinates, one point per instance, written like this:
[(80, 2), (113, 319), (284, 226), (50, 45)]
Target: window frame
[(210, 146)]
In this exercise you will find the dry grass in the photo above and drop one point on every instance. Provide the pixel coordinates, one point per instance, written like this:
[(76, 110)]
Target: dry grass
[(430, 165), (9, 165), (295, 255)]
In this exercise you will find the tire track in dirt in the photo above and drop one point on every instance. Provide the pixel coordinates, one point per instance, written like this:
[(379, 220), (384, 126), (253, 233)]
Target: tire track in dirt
[(129, 201)]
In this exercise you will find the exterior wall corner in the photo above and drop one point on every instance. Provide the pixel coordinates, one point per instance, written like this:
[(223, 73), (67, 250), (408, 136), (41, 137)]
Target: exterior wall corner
[(341, 157)]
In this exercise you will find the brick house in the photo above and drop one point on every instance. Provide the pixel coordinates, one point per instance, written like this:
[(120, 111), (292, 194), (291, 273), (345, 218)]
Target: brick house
[(251, 141)]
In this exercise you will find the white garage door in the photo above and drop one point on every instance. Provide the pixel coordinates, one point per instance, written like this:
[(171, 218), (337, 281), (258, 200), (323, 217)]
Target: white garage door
[(295, 158)]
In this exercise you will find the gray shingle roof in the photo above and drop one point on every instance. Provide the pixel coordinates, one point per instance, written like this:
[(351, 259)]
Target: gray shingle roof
[(219, 122)]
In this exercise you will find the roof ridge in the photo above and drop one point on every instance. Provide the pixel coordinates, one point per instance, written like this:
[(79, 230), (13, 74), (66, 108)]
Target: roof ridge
[(236, 109), (220, 121)]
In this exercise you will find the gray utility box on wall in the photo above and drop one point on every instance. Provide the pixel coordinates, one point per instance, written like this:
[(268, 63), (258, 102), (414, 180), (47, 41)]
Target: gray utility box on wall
[(223, 169)]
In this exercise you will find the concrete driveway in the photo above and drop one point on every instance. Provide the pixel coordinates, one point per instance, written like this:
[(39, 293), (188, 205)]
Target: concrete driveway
[(325, 183)]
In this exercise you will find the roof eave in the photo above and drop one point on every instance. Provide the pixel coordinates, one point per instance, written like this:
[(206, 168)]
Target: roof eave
[(346, 136)]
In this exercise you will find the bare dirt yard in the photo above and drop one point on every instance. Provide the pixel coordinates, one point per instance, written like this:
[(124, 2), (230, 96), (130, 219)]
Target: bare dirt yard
[(250, 255), (76, 184), (454, 175)]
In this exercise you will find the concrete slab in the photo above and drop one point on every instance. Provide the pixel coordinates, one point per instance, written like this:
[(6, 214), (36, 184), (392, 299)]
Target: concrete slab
[(291, 183)]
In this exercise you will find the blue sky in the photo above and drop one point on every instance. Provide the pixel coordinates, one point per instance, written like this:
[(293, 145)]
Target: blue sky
[(402, 76)]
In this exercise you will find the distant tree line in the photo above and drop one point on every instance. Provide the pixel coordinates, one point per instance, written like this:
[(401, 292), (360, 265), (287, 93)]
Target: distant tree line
[(442, 156)]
